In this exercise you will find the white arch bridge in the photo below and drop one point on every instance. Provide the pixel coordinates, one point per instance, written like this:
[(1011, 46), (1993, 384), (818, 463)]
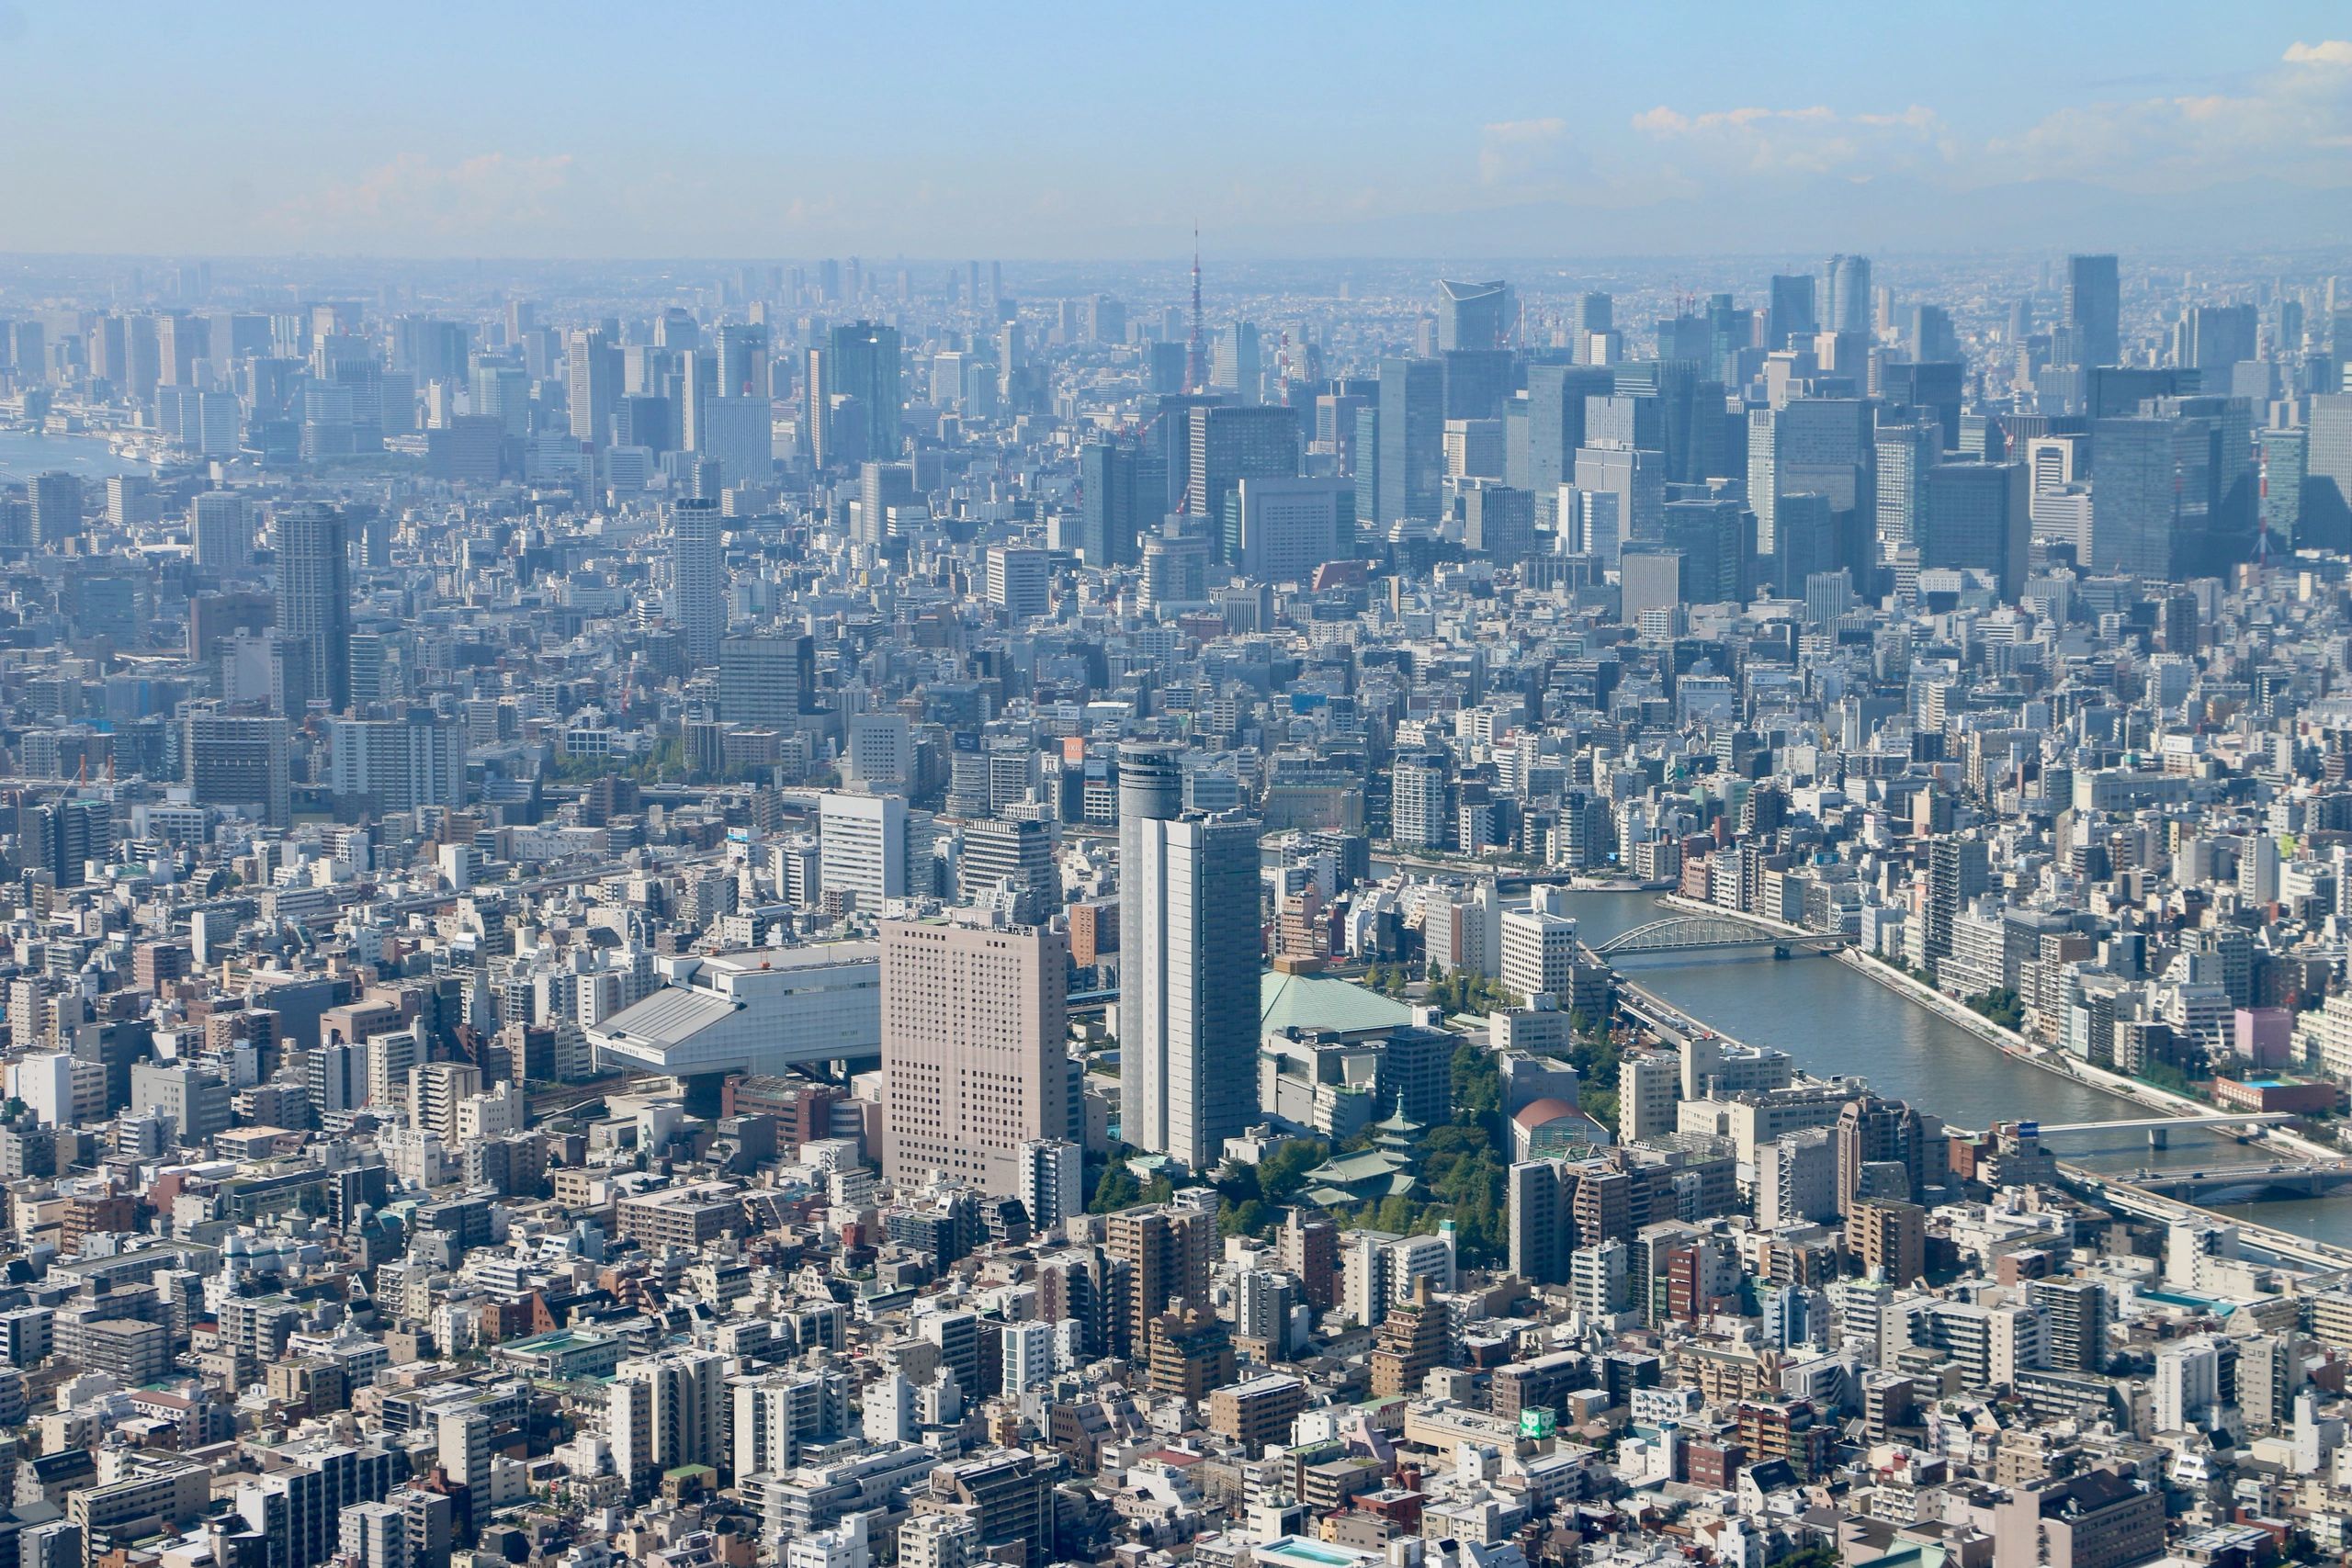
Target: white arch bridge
[(1679, 935)]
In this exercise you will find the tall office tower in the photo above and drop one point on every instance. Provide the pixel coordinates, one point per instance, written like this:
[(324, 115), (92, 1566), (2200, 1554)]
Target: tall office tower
[(766, 680), (697, 383), (698, 579), (314, 602), (220, 527), (2214, 473), (1166, 1251), (862, 846), (1115, 507), (1013, 859), (502, 392), (2324, 501), (1477, 382), (1472, 315), (1904, 453), (593, 383), (65, 835), (861, 360), (1711, 537), (1236, 366), (973, 1021), (1228, 444), (1846, 295), (1556, 428), (2135, 505), (1790, 313), (1020, 582), (1975, 515), (881, 487), (1812, 443), (2095, 311), (1500, 522), (1189, 965), (237, 762), (2215, 337), (1596, 312), (56, 501), (815, 411), (743, 360), (1412, 442), (1618, 497), (1806, 544), (1290, 526)]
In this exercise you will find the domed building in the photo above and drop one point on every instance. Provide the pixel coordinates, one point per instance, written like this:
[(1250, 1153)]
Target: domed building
[(1552, 1128)]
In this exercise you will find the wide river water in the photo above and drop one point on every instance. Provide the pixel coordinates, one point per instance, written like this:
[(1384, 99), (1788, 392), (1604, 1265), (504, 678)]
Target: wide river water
[(23, 455), (1834, 1021)]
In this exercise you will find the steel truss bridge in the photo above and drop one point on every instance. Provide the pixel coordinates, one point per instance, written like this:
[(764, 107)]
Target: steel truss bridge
[(1677, 935)]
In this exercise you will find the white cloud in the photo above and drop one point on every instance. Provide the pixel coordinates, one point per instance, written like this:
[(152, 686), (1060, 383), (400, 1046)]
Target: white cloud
[(1528, 152), (2327, 51), (1813, 142), (488, 193), (2293, 122)]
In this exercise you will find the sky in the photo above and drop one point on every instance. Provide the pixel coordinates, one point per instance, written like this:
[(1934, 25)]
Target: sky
[(1046, 132)]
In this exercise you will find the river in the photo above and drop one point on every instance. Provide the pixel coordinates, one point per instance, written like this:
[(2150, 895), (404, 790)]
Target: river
[(1836, 1022), (24, 454)]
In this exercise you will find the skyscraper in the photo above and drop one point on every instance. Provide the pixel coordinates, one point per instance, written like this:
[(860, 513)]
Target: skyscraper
[(1904, 453), (2324, 503), (592, 384), (862, 362), (56, 498), (237, 762), (1412, 441), (743, 360), (1228, 444), (2135, 506), (1975, 516), (1846, 295), (1790, 313), (1555, 427), (1472, 315), (973, 1018), (1812, 443), (698, 579), (1122, 494), (2094, 309), (766, 680), (1189, 965), (314, 603), (221, 530)]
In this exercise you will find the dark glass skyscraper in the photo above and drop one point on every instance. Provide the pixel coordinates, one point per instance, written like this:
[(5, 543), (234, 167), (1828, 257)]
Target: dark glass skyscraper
[(1412, 440), (1472, 315), (2094, 309), (314, 604), (862, 362)]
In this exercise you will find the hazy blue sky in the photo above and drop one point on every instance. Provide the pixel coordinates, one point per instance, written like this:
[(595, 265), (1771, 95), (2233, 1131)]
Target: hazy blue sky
[(1037, 130)]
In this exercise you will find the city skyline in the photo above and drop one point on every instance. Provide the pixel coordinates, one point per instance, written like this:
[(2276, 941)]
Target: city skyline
[(248, 135)]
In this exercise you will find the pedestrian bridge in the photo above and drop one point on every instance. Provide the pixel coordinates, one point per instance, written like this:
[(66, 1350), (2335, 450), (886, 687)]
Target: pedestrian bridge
[(1681, 934)]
